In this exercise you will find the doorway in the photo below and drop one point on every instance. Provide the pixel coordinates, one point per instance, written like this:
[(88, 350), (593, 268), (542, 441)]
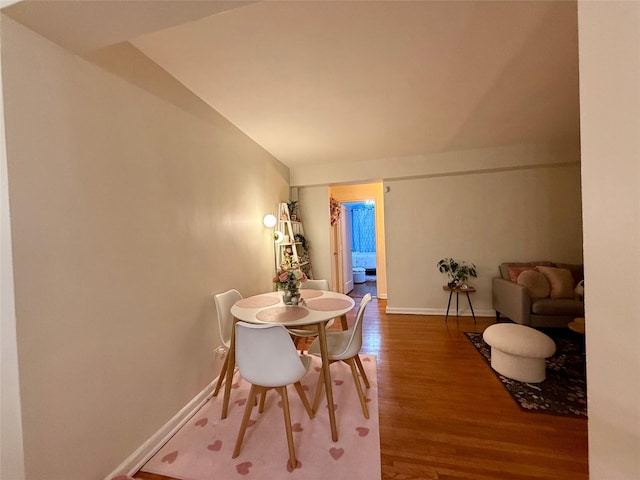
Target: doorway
[(341, 248), (360, 238)]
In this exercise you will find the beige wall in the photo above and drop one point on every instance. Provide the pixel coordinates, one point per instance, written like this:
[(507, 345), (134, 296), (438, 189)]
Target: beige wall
[(314, 211), (11, 449), (431, 164), (514, 202), (127, 214), (609, 34), (484, 218)]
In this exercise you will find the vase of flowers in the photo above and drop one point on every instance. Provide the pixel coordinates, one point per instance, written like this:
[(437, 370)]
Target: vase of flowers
[(288, 279)]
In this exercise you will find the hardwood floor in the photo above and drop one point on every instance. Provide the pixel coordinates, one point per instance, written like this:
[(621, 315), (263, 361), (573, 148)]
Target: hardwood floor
[(361, 289), (444, 415)]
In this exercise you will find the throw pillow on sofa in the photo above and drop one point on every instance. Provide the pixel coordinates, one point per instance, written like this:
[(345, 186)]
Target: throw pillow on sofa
[(536, 283), (561, 281), (515, 271)]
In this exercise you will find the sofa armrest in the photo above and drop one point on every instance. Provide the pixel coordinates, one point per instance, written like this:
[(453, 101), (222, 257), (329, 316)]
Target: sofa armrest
[(511, 300)]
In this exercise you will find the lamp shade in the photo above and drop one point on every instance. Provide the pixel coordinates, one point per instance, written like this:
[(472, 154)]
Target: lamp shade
[(269, 221)]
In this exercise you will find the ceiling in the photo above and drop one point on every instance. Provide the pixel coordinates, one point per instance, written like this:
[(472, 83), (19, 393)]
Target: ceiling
[(331, 81)]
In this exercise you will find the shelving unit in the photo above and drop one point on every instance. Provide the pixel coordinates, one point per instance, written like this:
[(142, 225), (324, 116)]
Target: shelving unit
[(293, 248)]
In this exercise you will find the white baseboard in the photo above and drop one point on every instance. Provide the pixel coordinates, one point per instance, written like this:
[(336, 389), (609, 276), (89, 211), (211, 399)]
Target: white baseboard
[(149, 448), (438, 311)]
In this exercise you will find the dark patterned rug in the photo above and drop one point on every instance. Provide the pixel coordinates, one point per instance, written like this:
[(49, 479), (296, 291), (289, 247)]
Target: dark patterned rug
[(563, 392)]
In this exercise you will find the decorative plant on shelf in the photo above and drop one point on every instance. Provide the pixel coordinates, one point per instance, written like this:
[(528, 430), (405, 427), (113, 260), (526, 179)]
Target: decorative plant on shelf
[(302, 241), (293, 209), (457, 273)]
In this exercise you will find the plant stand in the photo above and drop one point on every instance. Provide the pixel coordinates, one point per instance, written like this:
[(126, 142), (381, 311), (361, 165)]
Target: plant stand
[(458, 290)]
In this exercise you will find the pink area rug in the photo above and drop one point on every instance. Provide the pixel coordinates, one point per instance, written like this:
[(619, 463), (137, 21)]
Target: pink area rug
[(202, 449)]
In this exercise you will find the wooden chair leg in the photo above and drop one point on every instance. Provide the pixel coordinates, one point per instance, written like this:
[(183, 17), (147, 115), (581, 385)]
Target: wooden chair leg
[(316, 398), (262, 399), (245, 420), (287, 425), (303, 397), (354, 371), (222, 375), (361, 369)]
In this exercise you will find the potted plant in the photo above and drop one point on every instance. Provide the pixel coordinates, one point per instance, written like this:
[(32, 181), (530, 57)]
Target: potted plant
[(293, 210), (457, 272), (302, 241)]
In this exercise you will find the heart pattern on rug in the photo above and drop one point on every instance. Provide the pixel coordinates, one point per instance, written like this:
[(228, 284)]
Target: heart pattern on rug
[(170, 457), (215, 446), (243, 468), (205, 443), (336, 453)]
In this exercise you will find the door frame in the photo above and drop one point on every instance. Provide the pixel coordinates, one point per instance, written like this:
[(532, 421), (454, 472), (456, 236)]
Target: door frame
[(359, 193), (346, 259)]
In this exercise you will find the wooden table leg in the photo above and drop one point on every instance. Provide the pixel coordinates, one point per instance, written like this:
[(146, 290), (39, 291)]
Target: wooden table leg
[(322, 336), (231, 365)]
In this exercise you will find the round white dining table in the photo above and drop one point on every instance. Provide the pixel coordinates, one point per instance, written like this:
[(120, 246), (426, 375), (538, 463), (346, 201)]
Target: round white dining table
[(317, 308)]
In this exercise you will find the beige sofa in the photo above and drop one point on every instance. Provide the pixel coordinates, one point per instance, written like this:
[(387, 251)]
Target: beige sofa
[(538, 294)]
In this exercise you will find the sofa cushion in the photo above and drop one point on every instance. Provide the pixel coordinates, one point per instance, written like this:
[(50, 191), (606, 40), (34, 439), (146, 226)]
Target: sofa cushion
[(561, 281), (561, 306), (504, 267), (536, 283), (577, 271), (514, 272)]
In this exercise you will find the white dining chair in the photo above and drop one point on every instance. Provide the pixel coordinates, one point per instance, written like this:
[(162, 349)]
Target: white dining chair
[(345, 346), (310, 330), (224, 302), (317, 284), (267, 358)]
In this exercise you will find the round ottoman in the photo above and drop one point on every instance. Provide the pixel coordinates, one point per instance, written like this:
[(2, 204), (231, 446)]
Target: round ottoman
[(359, 275), (519, 352)]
